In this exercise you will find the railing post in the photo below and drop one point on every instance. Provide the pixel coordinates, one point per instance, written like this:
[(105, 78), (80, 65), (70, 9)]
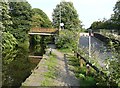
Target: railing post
[(74, 53), (77, 55), (81, 62), (50, 51), (64, 56), (88, 69)]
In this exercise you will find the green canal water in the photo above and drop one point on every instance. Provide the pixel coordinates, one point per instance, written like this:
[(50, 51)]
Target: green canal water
[(20, 68)]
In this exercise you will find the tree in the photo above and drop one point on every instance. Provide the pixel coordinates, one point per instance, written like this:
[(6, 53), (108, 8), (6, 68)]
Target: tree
[(95, 25), (5, 17), (37, 21), (117, 11), (40, 19), (8, 40), (67, 14), (112, 23), (21, 18), (67, 39), (8, 45), (102, 25), (116, 16)]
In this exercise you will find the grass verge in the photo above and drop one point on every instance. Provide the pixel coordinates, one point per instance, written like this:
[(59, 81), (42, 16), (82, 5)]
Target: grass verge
[(86, 81), (66, 50), (51, 73)]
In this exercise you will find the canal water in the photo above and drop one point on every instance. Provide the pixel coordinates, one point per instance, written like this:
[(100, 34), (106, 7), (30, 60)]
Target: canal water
[(20, 68), (98, 49)]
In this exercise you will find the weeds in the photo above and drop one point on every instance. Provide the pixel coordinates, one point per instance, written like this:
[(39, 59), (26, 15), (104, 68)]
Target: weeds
[(51, 73)]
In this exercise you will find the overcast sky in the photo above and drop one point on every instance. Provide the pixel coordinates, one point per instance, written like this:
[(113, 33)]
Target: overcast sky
[(88, 10)]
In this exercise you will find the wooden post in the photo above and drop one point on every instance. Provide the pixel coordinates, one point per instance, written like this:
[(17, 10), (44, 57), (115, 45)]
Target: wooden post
[(74, 53), (77, 55), (88, 69), (64, 56), (50, 51), (81, 62)]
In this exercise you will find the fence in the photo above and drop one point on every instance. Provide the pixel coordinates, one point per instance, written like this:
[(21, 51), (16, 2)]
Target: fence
[(87, 63)]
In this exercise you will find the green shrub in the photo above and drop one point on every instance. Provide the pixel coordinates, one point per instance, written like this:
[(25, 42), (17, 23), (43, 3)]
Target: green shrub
[(83, 70), (67, 39), (8, 45), (82, 76), (90, 81)]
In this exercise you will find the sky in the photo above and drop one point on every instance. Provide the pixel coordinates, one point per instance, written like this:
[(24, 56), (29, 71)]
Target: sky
[(88, 10)]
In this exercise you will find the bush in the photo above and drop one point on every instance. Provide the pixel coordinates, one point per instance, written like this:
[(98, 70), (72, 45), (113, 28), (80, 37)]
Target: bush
[(67, 39), (90, 81), (8, 45), (83, 70), (82, 76), (87, 82)]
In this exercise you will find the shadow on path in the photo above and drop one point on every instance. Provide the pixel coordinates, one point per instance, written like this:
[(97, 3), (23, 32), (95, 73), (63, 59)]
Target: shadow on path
[(65, 75)]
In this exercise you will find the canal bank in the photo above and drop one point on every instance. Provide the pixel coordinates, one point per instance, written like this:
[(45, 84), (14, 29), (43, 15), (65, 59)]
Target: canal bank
[(21, 67), (52, 72)]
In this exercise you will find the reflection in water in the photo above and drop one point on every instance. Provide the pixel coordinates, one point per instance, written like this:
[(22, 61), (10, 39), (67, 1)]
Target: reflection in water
[(35, 50), (20, 68)]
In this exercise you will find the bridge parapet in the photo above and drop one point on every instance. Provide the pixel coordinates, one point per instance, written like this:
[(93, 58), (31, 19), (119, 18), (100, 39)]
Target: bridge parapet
[(43, 31), (86, 34)]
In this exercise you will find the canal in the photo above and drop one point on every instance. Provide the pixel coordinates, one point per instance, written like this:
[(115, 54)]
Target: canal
[(98, 49), (22, 64), (20, 68)]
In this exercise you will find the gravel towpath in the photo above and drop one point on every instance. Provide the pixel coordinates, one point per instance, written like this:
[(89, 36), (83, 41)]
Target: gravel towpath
[(64, 76)]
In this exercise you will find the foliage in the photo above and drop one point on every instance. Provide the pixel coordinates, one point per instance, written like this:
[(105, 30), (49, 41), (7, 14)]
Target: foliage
[(18, 70), (40, 19), (116, 16), (117, 10), (82, 76), (111, 69), (67, 39), (37, 38), (68, 15), (51, 73), (41, 41), (8, 45), (80, 73), (15, 23), (111, 23), (21, 17), (65, 50), (14, 20), (105, 24), (37, 21), (5, 17), (114, 71), (113, 65), (111, 77), (87, 82)]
